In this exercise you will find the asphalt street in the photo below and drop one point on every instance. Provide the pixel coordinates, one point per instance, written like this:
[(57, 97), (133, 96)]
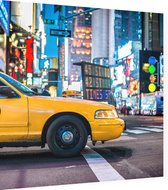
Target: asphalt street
[(138, 153)]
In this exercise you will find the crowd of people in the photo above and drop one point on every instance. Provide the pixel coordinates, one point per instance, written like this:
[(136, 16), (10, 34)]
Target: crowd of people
[(112, 100)]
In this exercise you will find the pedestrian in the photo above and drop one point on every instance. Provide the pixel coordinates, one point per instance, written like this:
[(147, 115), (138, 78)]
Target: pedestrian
[(111, 97), (124, 109)]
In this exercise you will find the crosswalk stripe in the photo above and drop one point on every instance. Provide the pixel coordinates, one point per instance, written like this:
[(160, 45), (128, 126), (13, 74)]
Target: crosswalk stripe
[(142, 130), (136, 131), (124, 134), (151, 129), (152, 126), (101, 168)]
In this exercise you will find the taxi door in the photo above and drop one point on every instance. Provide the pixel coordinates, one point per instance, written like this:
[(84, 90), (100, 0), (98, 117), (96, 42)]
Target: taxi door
[(13, 115)]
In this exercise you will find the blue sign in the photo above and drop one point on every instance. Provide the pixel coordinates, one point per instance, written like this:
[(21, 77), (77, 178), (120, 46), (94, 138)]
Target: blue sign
[(4, 16)]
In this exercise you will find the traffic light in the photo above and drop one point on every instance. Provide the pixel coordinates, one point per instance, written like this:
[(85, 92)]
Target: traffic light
[(152, 87), (149, 72), (53, 77)]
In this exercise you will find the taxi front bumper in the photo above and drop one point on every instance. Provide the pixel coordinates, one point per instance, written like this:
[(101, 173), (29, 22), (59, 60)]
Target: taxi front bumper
[(107, 129)]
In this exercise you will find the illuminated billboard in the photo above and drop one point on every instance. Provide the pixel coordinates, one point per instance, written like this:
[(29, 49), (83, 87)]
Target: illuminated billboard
[(96, 81), (29, 60)]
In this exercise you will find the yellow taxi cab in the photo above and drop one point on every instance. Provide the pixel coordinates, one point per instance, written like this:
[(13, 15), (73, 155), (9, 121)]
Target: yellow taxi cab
[(72, 93), (64, 124)]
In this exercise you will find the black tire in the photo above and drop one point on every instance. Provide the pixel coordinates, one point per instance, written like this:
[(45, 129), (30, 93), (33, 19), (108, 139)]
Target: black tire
[(67, 136)]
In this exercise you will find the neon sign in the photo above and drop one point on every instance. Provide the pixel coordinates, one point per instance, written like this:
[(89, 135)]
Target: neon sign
[(29, 60)]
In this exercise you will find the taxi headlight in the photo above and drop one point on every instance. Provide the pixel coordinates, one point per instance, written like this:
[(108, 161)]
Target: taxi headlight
[(106, 114)]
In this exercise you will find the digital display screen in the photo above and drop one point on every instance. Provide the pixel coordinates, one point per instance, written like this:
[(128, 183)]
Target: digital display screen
[(96, 81)]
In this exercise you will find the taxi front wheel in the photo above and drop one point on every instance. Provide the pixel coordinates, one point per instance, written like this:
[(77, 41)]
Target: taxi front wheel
[(67, 136)]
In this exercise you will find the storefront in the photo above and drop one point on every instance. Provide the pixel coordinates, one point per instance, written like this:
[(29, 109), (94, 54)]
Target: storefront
[(126, 76), (24, 43), (16, 62), (23, 55)]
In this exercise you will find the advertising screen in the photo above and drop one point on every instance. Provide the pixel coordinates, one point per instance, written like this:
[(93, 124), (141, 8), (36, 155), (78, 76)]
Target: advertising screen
[(96, 81)]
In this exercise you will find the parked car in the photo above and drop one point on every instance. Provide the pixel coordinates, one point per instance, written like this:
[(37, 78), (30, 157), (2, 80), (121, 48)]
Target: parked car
[(63, 123)]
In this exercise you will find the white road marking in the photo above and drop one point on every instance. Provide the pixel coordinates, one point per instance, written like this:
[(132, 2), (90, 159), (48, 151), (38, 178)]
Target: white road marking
[(124, 134), (143, 130), (151, 129), (153, 126), (68, 167), (101, 168), (136, 131)]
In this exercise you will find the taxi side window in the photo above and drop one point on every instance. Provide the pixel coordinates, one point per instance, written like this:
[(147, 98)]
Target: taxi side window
[(1, 89), (2, 84), (7, 92)]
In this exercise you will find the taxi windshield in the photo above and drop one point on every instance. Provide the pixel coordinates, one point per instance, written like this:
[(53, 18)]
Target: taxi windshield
[(19, 86)]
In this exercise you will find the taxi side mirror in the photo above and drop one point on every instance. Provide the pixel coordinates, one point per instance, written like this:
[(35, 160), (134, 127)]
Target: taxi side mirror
[(7, 92)]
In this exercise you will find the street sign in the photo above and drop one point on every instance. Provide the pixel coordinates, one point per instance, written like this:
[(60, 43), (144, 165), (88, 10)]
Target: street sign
[(63, 33)]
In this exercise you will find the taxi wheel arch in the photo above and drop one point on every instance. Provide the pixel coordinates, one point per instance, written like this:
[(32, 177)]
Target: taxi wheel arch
[(66, 136), (54, 117)]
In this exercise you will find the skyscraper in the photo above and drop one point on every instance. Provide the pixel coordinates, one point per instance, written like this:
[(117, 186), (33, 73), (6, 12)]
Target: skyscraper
[(80, 43)]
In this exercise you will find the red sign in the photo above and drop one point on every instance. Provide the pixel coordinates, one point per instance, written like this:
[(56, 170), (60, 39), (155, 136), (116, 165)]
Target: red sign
[(29, 55)]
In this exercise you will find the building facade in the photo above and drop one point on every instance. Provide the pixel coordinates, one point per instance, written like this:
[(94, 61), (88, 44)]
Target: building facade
[(23, 49), (117, 38), (80, 44)]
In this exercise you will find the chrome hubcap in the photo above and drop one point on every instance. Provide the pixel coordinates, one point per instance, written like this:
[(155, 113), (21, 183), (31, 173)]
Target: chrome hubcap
[(67, 137)]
